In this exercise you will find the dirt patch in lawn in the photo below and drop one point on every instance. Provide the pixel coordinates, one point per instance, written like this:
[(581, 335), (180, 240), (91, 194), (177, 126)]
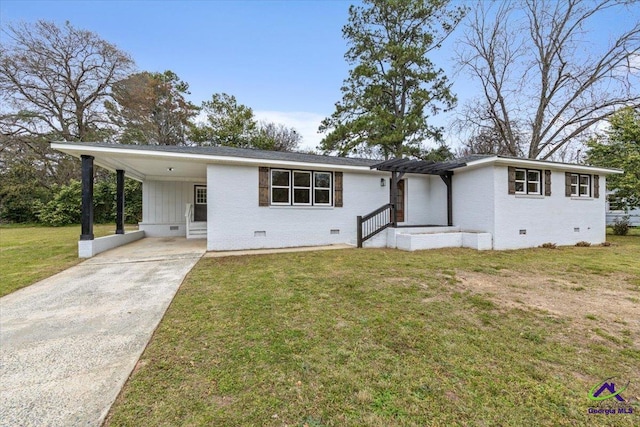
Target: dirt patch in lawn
[(606, 310)]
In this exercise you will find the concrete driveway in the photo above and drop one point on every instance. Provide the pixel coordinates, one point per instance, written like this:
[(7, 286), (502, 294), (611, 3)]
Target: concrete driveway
[(69, 342)]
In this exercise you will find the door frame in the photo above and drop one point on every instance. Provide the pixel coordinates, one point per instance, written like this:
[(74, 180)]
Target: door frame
[(401, 214), (199, 215)]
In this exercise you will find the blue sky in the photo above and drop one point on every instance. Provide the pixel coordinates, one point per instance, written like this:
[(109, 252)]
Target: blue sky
[(284, 59)]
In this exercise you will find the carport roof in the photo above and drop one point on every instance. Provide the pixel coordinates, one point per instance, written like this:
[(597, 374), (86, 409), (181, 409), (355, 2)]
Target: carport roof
[(186, 163), (223, 151)]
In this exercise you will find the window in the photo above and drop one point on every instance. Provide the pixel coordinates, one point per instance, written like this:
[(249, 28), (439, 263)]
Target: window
[(322, 188), (580, 185), (201, 195), (280, 187), (528, 181), (301, 188)]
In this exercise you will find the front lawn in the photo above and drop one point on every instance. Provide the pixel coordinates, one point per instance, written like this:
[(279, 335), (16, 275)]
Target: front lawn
[(32, 253), (384, 337)]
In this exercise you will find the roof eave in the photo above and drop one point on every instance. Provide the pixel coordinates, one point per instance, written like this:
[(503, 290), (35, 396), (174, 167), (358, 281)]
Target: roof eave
[(77, 150), (508, 161)]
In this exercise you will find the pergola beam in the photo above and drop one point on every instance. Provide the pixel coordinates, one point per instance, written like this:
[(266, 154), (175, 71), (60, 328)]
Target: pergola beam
[(448, 182)]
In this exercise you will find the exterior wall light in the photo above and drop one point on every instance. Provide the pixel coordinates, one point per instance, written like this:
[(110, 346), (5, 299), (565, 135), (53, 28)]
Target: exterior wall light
[(383, 182)]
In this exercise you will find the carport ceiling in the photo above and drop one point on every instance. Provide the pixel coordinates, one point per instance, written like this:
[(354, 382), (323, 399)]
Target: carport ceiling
[(144, 166)]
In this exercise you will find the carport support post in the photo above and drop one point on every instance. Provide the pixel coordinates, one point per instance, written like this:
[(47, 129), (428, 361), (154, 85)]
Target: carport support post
[(87, 198), (119, 201)]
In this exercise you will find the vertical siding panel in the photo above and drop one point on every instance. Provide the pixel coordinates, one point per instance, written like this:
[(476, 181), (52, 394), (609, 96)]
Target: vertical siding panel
[(185, 197), (145, 202), (153, 207), (172, 202), (163, 200)]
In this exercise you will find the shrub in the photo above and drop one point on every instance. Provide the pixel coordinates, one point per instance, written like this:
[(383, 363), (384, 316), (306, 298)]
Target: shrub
[(621, 226), (583, 244), (20, 193), (548, 245), (66, 205), (605, 244), (64, 208)]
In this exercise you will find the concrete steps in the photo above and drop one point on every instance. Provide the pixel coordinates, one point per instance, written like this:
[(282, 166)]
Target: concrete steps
[(197, 230)]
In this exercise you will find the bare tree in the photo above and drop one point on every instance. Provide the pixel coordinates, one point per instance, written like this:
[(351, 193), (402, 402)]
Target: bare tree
[(53, 81), (490, 141), (276, 137), (541, 77)]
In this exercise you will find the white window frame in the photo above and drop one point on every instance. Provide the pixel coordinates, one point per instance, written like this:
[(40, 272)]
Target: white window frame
[(527, 181), (576, 189), (292, 187), (288, 187), (199, 199), (295, 187), (329, 188)]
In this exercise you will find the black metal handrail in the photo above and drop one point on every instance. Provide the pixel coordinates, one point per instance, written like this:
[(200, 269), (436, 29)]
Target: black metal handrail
[(371, 224)]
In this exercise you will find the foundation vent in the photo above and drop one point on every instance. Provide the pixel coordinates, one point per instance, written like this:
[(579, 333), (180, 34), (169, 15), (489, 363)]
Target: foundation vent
[(335, 231), (259, 234)]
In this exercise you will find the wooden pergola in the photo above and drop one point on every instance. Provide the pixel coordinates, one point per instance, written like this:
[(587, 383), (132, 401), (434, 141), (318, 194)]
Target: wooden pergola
[(398, 167)]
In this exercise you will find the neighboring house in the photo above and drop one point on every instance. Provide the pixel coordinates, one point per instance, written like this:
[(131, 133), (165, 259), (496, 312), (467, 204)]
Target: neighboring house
[(249, 199), (616, 214)]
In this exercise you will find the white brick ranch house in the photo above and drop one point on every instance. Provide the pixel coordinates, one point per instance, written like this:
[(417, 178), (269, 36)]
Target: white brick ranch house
[(248, 199)]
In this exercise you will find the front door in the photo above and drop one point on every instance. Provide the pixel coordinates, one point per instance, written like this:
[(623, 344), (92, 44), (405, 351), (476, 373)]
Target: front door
[(200, 203), (400, 202)]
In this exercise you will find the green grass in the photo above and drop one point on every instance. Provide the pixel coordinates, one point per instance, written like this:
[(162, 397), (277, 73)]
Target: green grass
[(30, 253), (380, 338)]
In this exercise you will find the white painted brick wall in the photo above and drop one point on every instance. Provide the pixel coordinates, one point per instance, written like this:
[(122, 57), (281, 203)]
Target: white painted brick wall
[(473, 199), (552, 218), (235, 219)]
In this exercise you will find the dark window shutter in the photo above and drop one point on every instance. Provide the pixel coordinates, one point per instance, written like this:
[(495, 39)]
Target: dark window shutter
[(337, 190), (263, 186), (547, 182), (512, 180), (567, 184), (596, 186)]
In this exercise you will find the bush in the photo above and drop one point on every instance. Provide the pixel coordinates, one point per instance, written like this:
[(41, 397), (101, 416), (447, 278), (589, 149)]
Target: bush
[(583, 244), (548, 245), (621, 226), (65, 207), (21, 194)]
